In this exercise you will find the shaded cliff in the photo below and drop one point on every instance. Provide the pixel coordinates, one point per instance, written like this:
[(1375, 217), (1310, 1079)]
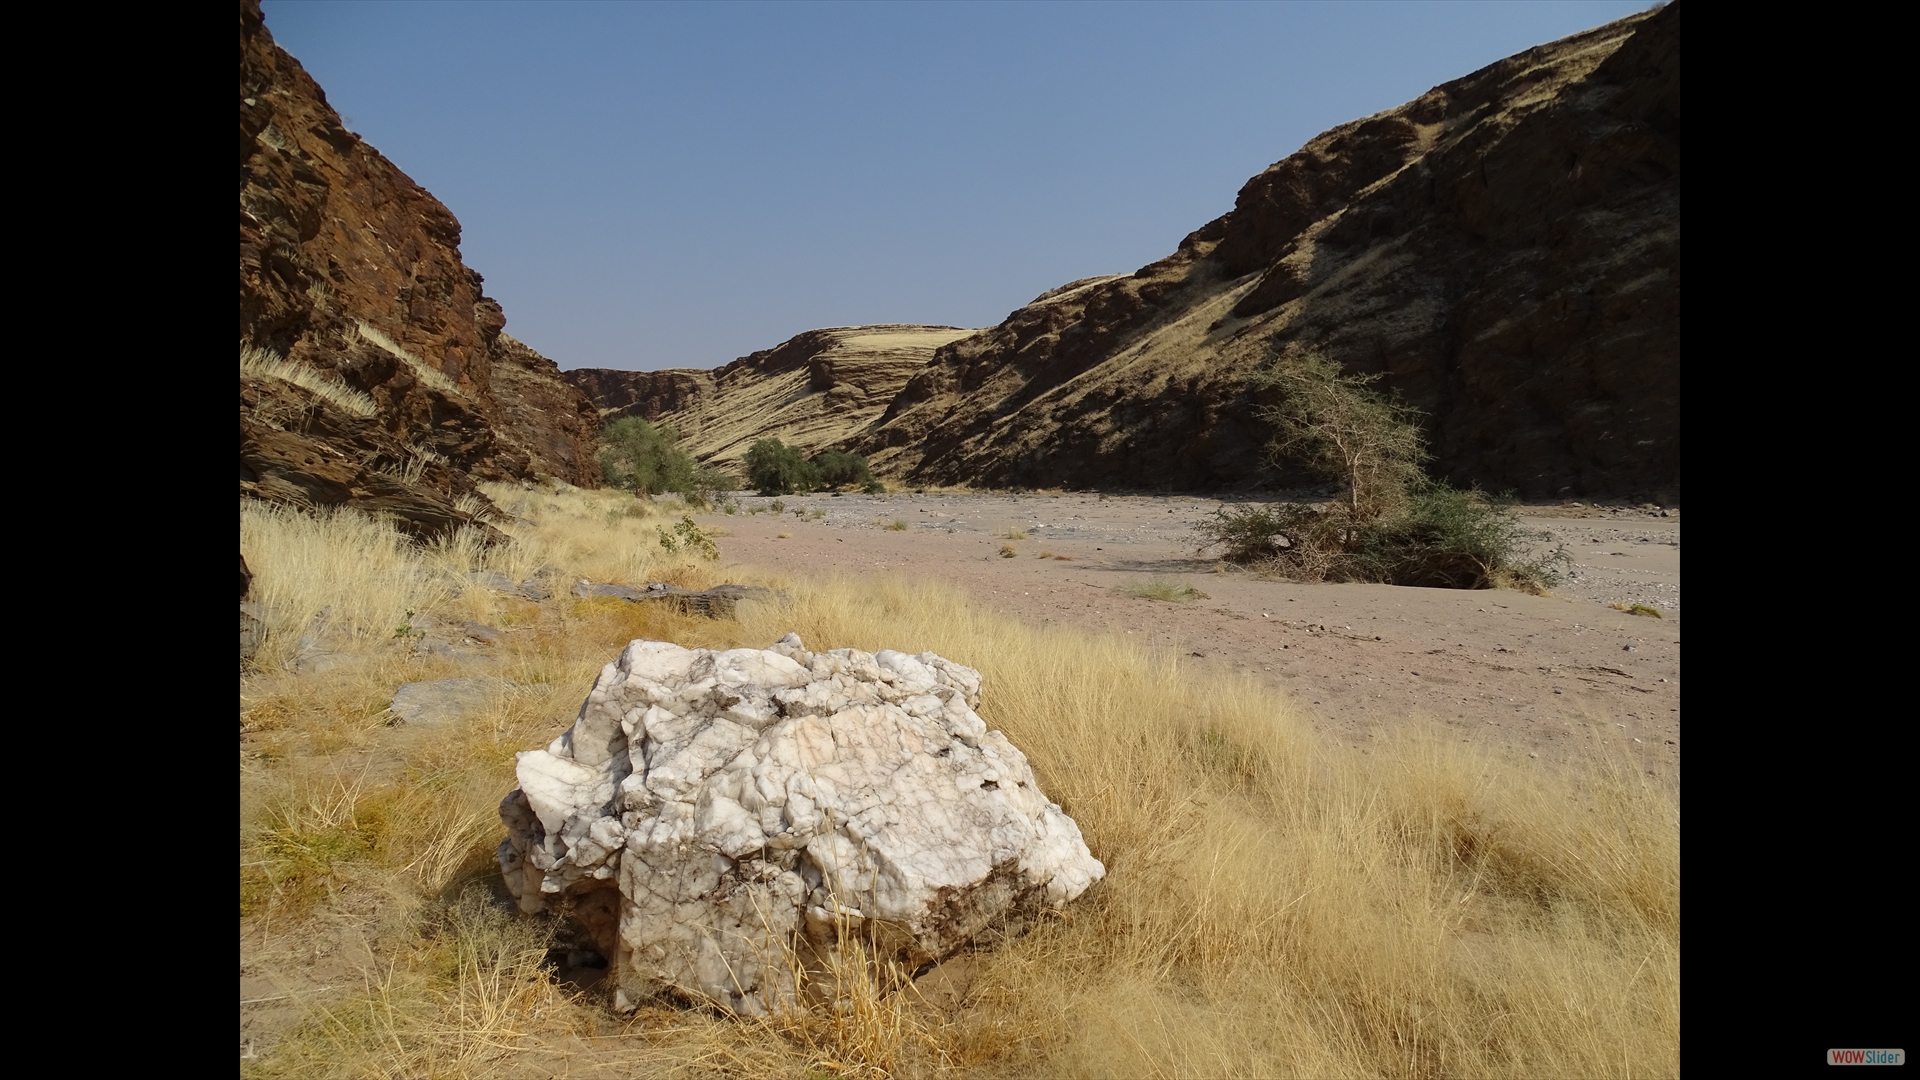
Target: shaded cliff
[(1505, 249), (350, 273)]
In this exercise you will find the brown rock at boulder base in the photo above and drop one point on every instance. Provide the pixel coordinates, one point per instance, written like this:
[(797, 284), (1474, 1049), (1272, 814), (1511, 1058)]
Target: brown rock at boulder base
[(820, 389), (1505, 250), (349, 268)]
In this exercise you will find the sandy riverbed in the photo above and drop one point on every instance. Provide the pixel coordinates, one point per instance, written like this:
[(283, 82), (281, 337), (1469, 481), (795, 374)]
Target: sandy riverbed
[(1549, 674)]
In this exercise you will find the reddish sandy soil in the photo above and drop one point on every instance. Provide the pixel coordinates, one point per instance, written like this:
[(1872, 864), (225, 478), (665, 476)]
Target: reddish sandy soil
[(1548, 674)]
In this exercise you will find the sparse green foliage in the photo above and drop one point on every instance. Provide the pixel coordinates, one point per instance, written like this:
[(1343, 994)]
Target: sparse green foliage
[(1255, 533), (1349, 431), (774, 468), (688, 537), (1440, 537), (1456, 539), (636, 456), (1392, 524), (838, 468)]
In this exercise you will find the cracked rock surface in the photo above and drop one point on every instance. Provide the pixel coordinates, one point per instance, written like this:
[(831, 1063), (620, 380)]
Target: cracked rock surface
[(709, 811)]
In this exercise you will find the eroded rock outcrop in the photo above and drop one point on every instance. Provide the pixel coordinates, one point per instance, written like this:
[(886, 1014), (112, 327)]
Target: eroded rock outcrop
[(1505, 250), (816, 390), (351, 277), (709, 811)]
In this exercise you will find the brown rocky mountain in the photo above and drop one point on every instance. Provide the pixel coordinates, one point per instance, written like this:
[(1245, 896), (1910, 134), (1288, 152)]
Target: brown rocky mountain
[(390, 383), (822, 388), (1505, 250)]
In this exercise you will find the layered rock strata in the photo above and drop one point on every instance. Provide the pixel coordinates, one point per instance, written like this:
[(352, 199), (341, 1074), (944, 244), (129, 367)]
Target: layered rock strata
[(821, 389), (384, 380), (1504, 250)]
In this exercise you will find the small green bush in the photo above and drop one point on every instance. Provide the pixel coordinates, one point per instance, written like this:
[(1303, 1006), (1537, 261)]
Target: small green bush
[(647, 460), (838, 468), (1251, 534), (774, 468), (1391, 524), (1637, 609), (1439, 537), (688, 537), (1448, 538)]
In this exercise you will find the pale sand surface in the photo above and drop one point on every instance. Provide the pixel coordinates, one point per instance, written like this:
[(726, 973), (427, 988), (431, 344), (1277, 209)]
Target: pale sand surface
[(1547, 674)]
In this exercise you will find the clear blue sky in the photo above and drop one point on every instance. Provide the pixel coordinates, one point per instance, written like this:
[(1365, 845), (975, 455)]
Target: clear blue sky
[(675, 185)]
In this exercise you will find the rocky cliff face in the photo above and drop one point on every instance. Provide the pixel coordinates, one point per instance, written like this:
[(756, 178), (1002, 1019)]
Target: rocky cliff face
[(1505, 249), (819, 389), (350, 273), (647, 394)]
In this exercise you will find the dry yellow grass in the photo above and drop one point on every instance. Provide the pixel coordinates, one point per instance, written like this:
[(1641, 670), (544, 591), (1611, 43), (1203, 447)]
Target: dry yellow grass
[(1275, 905), (264, 363), (422, 370)]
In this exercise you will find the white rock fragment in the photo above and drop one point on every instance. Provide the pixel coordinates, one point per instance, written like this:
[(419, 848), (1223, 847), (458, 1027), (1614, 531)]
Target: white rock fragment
[(744, 802)]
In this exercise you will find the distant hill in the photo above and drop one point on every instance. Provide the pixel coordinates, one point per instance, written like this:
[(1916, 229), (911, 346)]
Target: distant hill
[(1505, 250), (819, 389)]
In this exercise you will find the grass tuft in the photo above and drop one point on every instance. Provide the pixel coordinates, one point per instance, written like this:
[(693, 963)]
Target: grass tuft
[(265, 364), (425, 372), (1163, 589)]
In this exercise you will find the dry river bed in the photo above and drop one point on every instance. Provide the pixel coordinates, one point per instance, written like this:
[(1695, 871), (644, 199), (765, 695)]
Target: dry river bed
[(1554, 676)]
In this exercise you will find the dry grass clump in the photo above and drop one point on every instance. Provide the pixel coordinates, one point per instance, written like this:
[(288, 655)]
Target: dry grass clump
[(463, 994), (349, 581), (266, 364), (1637, 609), (344, 574), (1159, 588), (422, 370), (1274, 905)]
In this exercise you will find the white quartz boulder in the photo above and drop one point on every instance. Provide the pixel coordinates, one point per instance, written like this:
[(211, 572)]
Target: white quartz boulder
[(750, 804)]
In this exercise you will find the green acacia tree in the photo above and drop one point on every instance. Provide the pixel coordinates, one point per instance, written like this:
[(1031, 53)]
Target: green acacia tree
[(1393, 523), (647, 460), (1349, 431), (839, 468), (774, 468)]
